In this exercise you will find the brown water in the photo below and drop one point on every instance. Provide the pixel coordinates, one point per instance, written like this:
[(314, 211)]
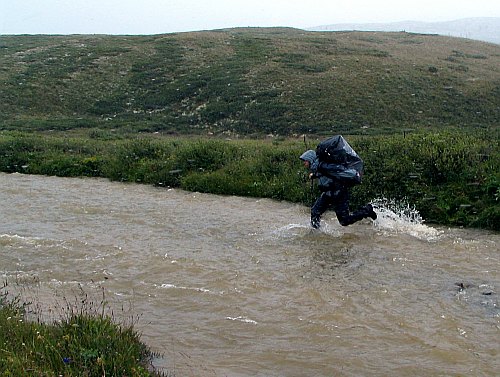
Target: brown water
[(229, 286)]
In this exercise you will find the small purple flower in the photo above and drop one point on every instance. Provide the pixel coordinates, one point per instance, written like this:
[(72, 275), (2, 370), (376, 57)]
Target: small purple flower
[(66, 360)]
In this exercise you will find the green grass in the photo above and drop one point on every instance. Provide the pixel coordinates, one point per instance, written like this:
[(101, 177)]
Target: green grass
[(84, 342), (252, 81)]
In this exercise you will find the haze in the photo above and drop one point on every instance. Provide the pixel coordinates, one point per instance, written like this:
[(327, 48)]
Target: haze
[(157, 16)]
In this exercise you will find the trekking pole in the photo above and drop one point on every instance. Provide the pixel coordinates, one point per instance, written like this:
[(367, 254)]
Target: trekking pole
[(311, 193), (311, 190)]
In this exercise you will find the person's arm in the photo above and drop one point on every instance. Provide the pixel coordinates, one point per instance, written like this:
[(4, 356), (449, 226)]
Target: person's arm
[(314, 170)]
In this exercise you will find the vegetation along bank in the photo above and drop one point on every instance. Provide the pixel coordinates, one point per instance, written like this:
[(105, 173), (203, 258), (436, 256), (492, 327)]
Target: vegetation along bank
[(86, 341), (451, 178)]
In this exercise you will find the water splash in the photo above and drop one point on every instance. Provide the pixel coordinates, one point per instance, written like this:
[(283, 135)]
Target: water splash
[(292, 230), (399, 217)]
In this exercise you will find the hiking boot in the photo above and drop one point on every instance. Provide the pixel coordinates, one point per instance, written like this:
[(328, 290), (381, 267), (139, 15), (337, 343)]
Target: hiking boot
[(315, 222), (370, 212)]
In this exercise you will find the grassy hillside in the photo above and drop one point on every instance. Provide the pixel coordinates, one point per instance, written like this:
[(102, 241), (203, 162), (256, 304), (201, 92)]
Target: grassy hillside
[(249, 81)]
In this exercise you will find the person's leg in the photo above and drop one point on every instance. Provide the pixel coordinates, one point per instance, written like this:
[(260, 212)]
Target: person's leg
[(342, 210), (371, 213), (345, 218), (319, 207)]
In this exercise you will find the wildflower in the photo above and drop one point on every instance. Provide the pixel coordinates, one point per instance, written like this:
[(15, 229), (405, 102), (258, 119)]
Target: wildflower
[(66, 360)]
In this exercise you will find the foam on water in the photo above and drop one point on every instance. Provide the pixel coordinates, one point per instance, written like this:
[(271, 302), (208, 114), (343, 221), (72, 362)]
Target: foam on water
[(15, 238), (173, 286), (242, 319), (291, 230)]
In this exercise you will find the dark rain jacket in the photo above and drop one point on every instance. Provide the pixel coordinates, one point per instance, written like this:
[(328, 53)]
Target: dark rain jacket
[(331, 176), (327, 174)]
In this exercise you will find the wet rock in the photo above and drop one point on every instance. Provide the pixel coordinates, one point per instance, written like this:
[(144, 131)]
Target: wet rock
[(478, 294)]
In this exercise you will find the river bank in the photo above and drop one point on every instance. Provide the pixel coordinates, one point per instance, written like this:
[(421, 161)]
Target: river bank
[(86, 341), (451, 178)]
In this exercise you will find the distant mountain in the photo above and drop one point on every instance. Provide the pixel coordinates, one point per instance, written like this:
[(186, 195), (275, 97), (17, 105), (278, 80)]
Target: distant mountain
[(480, 28)]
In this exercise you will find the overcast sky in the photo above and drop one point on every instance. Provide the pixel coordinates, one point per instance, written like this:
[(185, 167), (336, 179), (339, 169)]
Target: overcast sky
[(166, 16)]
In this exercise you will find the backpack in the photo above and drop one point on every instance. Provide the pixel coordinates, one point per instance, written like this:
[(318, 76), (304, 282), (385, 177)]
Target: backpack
[(339, 160)]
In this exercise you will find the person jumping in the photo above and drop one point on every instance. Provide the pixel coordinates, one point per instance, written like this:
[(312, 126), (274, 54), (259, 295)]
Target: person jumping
[(337, 167)]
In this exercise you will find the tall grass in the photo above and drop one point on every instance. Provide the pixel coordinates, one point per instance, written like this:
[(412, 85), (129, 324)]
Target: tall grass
[(451, 177), (85, 341)]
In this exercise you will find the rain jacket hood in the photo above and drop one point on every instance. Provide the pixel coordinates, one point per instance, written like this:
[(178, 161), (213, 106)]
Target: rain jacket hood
[(309, 155)]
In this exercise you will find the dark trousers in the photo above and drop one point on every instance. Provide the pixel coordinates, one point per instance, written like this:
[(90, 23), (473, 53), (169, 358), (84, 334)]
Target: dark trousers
[(337, 200)]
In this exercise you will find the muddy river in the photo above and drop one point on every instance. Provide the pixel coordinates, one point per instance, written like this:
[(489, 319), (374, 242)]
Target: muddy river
[(230, 286)]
